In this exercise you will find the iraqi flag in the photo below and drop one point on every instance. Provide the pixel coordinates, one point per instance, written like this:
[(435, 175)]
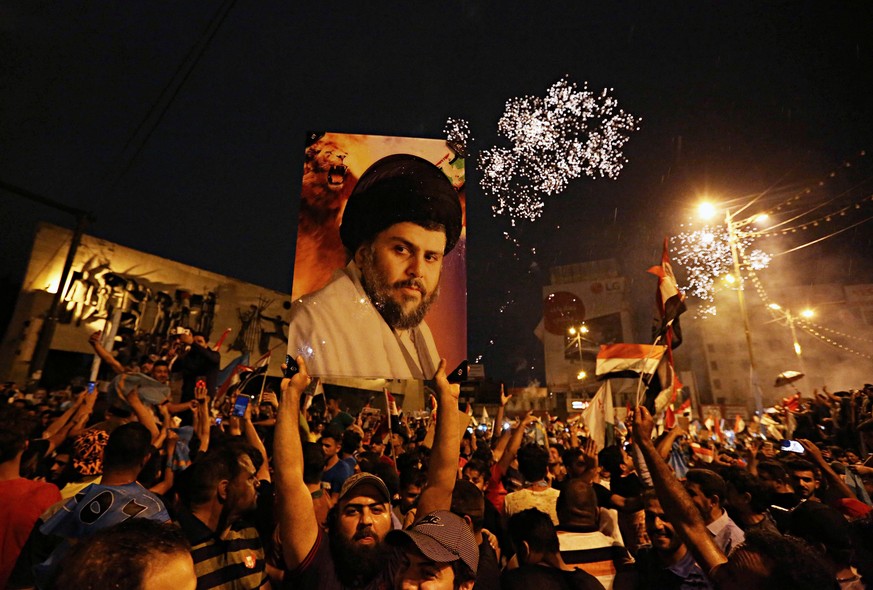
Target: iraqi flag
[(628, 360), (391, 404), (670, 300), (669, 418)]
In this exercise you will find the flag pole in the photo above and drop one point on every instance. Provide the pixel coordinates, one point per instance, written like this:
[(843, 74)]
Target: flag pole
[(643, 374), (390, 430)]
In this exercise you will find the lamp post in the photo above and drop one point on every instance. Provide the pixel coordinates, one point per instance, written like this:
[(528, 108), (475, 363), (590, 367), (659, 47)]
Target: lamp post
[(576, 334), (741, 298), (708, 210)]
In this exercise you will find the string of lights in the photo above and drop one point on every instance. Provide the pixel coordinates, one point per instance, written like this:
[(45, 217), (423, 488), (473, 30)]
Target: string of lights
[(809, 330), (826, 218), (830, 177), (837, 332)]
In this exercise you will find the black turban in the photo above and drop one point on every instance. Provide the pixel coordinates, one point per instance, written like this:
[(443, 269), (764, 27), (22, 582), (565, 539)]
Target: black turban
[(399, 188)]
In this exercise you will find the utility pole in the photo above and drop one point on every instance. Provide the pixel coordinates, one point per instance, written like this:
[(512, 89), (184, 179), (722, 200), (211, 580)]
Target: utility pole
[(43, 343)]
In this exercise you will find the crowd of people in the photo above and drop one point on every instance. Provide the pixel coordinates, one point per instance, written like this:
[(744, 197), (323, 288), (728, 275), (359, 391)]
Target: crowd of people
[(111, 490)]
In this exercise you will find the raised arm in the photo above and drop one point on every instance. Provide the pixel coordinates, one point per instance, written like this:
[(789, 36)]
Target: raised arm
[(677, 504), (835, 482), (666, 444), (104, 354), (515, 442), (143, 414), (251, 436), (443, 467), (501, 411), (298, 526)]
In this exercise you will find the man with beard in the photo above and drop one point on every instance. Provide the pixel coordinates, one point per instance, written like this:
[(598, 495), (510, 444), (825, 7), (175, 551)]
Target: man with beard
[(352, 552), (218, 491), (667, 564), (401, 219)]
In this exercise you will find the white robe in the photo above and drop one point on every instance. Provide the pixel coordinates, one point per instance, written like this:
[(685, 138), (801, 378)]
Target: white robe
[(340, 333)]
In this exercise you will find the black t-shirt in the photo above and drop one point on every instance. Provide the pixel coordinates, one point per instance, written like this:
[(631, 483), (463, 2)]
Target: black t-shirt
[(542, 577), (318, 570), (488, 571)]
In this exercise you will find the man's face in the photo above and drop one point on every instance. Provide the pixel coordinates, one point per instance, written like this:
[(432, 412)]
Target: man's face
[(554, 455), (420, 573), (242, 491), (330, 447), (59, 464), (200, 341), (377, 446), (161, 373), (475, 477), (804, 483), (661, 532), (364, 518), (401, 272), (408, 498), (705, 505)]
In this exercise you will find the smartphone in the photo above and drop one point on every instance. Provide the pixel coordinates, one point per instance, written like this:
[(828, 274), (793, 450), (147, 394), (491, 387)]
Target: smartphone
[(218, 421), (92, 387), (792, 446), (291, 367), (201, 384), (460, 373), (239, 406)]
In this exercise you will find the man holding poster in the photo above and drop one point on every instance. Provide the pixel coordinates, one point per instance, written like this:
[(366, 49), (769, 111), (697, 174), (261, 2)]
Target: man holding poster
[(401, 219)]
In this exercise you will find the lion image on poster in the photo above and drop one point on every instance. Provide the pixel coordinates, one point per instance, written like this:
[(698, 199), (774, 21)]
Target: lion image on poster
[(327, 183)]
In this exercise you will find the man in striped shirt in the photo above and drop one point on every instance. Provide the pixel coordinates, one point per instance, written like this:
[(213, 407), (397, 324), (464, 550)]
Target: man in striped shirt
[(218, 491)]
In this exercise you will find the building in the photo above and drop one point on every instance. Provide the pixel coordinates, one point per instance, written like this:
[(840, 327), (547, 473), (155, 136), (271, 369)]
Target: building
[(141, 298), (584, 306), (835, 342)]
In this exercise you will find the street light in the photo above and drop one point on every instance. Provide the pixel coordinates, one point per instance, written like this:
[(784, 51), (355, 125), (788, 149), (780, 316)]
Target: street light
[(786, 313)]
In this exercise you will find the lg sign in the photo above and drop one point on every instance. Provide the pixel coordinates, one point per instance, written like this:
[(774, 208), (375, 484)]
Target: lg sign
[(610, 287)]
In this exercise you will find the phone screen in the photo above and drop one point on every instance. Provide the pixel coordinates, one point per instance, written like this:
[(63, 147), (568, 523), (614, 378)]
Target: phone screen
[(240, 405), (291, 367), (92, 387), (460, 373)]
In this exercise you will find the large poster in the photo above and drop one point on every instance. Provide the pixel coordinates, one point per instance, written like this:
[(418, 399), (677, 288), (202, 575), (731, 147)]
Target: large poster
[(379, 283)]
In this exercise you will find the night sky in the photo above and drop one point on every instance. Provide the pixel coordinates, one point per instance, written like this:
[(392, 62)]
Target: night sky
[(181, 126)]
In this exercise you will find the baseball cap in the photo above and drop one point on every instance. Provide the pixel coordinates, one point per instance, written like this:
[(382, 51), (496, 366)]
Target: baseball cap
[(441, 536), (360, 479)]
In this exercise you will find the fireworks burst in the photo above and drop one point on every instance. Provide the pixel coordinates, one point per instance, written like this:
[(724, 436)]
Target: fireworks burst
[(555, 139), (705, 255), (458, 136)]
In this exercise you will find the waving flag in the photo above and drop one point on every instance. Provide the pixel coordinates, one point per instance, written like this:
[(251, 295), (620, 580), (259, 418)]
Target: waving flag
[(598, 417), (671, 301), (628, 360)]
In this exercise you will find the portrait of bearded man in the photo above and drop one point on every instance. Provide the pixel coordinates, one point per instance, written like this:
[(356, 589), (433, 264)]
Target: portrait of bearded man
[(401, 219)]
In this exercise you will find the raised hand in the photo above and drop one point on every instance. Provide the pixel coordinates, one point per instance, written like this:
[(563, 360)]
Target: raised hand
[(504, 398), (643, 425)]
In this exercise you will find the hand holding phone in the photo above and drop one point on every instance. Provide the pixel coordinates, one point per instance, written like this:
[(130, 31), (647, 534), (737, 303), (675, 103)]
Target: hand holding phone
[(240, 405)]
